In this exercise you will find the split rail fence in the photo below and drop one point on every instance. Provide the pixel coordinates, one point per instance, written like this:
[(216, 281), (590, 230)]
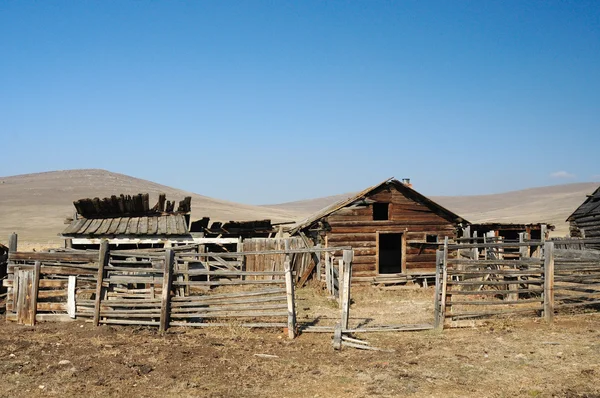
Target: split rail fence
[(178, 286), (478, 280)]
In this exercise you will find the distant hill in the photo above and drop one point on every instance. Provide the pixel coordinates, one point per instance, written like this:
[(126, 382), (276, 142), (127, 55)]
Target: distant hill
[(551, 204), (36, 205)]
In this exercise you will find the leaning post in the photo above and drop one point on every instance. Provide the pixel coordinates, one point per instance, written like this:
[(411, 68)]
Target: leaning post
[(102, 262), (165, 301)]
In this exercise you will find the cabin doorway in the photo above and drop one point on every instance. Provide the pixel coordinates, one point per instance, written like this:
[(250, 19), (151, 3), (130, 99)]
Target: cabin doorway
[(390, 253)]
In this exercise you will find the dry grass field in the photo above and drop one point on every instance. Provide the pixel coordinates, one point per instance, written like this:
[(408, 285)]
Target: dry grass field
[(518, 357)]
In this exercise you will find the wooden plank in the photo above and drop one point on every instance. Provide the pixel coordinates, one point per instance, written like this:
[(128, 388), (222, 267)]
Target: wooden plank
[(166, 290), (315, 264), (67, 256), (230, 295), (228, 282), (103, 257), (71, 305), (289, 291), (205, 303), (238, 314), (221, 324)]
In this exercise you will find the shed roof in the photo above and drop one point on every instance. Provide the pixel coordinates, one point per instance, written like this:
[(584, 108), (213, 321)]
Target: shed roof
[(158, 225), (403, 188), (591, 206)]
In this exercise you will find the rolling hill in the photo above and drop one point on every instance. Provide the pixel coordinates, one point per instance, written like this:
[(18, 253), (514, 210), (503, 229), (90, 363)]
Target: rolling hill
[(551, 204), (36, 205)]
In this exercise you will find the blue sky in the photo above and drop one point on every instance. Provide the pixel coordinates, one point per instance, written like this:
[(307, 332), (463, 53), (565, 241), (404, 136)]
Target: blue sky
[(272, 101)]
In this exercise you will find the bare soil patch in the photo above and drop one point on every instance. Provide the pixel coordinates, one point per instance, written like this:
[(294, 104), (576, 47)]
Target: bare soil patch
[(505, 358)]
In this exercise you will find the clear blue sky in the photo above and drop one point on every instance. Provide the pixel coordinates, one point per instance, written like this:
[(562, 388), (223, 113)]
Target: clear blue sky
[(264, 102)]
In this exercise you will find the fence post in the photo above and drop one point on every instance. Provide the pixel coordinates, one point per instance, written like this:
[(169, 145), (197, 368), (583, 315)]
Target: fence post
[(317, 260), (347, 258), (289, 291), (549, 281), (327, 273), (340, 281), (166, 290), (438, 288), (12, 242), (102, 261), (35, 288)]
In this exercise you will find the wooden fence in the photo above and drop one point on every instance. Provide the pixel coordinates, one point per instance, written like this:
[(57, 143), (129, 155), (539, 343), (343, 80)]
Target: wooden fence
[(474, 281), (155, 287), (576, 278), (300, 262)]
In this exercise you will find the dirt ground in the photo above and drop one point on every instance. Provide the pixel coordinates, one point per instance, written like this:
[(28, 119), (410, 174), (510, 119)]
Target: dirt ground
[(503, 358)]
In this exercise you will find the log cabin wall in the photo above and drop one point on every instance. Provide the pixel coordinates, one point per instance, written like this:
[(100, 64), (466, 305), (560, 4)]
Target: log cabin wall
[(354, 226)]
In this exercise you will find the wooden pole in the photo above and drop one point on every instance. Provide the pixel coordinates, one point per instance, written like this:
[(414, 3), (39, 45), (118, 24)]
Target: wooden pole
[(327, 272), (289, 291), (436, 317), (549, 281), (35, 288), (102, 262), (12, 243), (166, 290), (347, 258), (341, 281)]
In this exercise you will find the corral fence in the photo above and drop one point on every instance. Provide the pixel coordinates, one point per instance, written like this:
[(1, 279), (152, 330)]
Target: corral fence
[(477, 280), (179, 286)]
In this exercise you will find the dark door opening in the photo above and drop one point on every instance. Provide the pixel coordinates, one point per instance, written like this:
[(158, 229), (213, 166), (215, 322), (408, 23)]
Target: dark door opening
[(390, 253)]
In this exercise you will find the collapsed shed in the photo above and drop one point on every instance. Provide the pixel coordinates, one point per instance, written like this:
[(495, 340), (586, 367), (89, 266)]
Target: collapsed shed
[(393, 229), (585, 220), (129, 220), (509, 231)]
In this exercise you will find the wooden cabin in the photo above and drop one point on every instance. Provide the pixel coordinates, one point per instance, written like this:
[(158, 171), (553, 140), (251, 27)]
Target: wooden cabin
[(585, 221), (393, 229)]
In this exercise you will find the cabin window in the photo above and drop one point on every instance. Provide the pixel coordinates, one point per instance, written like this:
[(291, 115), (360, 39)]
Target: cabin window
[(380, 211), (431, 239)]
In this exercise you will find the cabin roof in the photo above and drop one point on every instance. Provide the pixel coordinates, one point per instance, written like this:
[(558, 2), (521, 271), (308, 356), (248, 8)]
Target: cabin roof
[(591, 206), (403, 188), (158, 225)]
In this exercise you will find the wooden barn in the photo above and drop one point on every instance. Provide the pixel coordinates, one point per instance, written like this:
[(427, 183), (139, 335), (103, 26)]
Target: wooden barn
[(585, 221), (393, 229)]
